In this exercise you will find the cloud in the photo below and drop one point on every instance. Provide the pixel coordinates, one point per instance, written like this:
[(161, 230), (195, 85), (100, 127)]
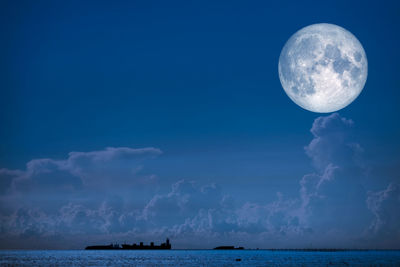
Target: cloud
[(333, 142), (185, 200), (335, 192), (109, 195), (200, 214), (101, 168), (84, 193), (6, 179), (385, 205)]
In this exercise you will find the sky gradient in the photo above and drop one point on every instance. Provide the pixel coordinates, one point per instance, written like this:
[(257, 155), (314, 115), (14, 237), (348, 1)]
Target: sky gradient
[(141, 120)]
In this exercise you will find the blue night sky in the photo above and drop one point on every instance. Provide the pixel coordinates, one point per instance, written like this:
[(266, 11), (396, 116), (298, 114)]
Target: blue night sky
[(133, 121)]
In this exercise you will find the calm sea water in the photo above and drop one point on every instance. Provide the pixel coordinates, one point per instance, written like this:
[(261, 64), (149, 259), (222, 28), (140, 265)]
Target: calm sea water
[(197, 258)]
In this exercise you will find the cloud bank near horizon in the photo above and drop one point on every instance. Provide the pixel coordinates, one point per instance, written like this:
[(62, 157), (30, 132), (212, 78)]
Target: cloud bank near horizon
[(109, 195)]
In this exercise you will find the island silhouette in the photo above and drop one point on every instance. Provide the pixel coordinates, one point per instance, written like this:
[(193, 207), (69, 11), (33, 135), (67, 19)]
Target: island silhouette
[(166, 245), (134, 246)]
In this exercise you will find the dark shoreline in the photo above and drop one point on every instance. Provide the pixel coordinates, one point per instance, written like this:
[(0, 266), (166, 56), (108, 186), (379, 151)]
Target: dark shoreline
[(194, 249), (268, 249)]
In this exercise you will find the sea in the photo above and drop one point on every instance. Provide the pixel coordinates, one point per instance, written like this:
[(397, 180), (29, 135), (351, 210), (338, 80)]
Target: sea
[(198, 258)]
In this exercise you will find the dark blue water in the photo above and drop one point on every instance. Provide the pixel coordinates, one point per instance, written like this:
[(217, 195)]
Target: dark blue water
[(197, 258)]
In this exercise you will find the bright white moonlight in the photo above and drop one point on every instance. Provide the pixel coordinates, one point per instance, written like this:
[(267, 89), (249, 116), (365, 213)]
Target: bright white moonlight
[(323, 68)]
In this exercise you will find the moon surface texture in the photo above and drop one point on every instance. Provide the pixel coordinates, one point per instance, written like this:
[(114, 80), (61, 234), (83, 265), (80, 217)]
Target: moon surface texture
[(323, 68)]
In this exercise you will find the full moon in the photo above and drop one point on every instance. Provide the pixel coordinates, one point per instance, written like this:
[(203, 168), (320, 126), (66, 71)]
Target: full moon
[(323, 68)]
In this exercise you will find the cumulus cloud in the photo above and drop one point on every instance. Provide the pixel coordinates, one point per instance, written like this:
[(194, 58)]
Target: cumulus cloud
[(333, 197), (385, 206), (333, 142), (108, 195), (200, 214), (95, 168), (6, 179), (84, 193)]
